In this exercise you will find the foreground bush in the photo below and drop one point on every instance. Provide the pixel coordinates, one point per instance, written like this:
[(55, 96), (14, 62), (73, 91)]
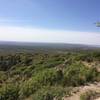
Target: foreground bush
[(9, 92), (78, 74), (49, 93), (47, 77)]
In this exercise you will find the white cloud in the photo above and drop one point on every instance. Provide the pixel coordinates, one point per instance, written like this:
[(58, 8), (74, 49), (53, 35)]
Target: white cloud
[(12, 33)]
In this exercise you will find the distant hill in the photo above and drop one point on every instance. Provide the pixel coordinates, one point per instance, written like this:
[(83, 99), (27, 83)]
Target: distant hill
[(26, 46)]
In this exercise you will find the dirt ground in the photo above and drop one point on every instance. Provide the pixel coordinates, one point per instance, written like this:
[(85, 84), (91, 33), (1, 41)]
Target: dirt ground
[(83, 89)]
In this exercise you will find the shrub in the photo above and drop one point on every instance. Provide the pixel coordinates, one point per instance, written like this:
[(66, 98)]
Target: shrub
[(49, 93), (48, 77), (9, 92), (3, 76), (78, 74), (45, 78), (28, 88)]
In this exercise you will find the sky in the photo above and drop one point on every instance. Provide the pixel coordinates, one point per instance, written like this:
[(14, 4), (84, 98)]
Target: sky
[(58, 21)]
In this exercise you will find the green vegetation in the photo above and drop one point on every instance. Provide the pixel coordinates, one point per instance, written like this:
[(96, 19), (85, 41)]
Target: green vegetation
[(9, 92), (77, 74), (45, 76)]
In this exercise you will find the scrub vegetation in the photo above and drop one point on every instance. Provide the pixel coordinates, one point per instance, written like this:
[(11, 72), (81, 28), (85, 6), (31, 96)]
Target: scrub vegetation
[(47, 76)]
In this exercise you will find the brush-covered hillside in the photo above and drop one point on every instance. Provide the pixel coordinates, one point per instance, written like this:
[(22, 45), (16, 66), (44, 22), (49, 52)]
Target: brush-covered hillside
[(47, 75)]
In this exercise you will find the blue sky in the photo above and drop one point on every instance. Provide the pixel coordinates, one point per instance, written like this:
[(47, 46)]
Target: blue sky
[(67, 17)]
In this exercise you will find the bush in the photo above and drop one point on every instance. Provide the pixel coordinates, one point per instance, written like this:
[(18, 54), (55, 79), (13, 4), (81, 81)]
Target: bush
[(28, 87), (45, 78), (49, 93), (78, 74), (3, 76), (9, 92), (48, 77)]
